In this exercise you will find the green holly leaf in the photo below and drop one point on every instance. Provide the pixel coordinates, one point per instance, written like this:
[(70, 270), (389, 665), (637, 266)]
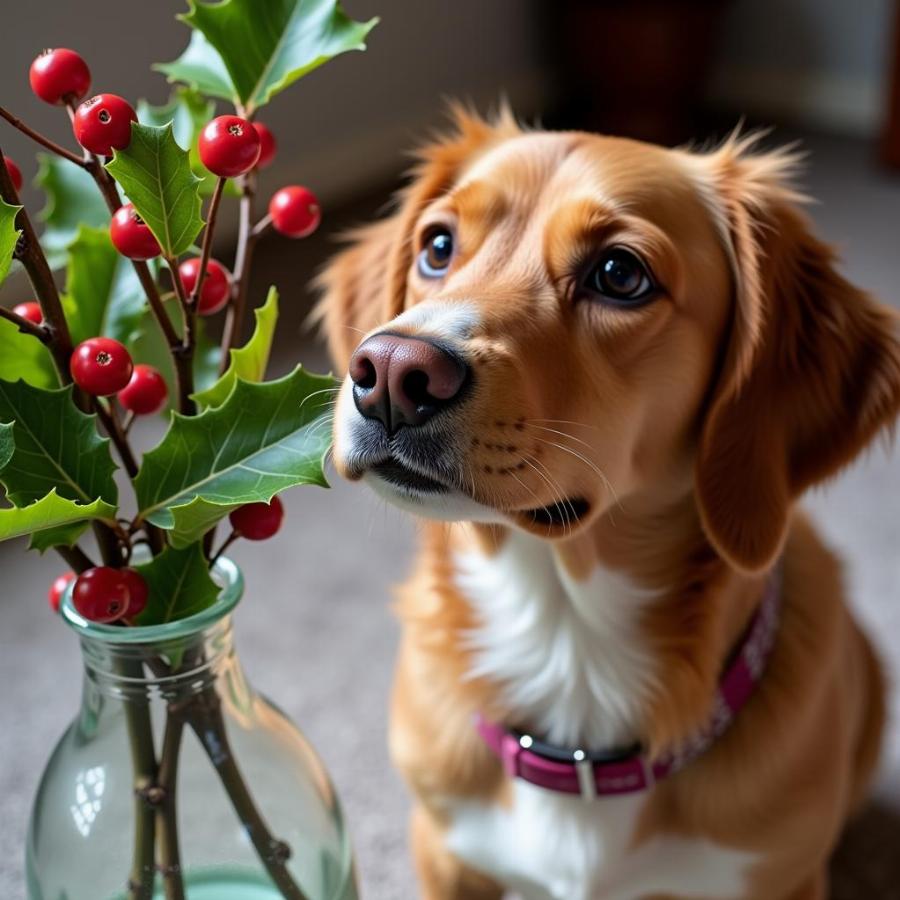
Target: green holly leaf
[(50, 512), (60, 536), (156, 175), (186, 109), (179, 584), (72, 201), (56, 446), (265, 438), (201, 67), (103, 293), (24, 356), (248, 362), (188, 112), (9, 235), (192, 520), (247, 52)]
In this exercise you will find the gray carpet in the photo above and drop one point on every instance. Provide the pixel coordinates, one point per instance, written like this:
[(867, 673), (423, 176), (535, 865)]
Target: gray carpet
[(315, 631)]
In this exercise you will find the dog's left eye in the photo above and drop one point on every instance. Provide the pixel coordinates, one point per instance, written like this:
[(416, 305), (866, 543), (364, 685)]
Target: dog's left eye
[(620, 276), (435, 256)]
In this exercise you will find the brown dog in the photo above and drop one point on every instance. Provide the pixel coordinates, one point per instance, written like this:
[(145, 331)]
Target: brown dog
[(611, 369)]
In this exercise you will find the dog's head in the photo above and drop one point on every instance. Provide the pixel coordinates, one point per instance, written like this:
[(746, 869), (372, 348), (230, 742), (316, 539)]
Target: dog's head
[(554, 323)]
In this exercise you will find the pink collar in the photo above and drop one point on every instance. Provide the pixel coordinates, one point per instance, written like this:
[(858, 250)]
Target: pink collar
[(595, 774)]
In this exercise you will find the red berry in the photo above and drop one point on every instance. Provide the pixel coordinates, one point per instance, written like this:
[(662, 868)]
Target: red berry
[(266, 145), (229, 146), (100, 366), (101, 594), (59, 75), (103, 124), (216, 285), (295, 211), (30, 311), (131, 236), (146, 393), (137, 592), (58, 588), (15, 173), (258, 521)]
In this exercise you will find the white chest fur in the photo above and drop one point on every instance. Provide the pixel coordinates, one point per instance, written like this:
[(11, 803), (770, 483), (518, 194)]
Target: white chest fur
[(549, 846), (568, 655), (569, 659)]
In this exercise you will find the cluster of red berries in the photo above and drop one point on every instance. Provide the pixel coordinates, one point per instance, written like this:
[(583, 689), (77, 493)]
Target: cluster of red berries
[(102, 594), (229, 146), (102, 367), (105, 595)]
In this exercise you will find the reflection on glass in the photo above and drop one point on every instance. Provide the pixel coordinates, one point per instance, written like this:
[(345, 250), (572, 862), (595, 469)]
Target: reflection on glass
[(89, 785)]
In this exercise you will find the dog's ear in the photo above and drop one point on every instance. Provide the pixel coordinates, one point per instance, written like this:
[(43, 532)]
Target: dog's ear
[(811, 371), (365, 284)]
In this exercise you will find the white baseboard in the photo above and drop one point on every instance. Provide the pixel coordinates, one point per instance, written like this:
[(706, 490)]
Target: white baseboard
[(835, 103)]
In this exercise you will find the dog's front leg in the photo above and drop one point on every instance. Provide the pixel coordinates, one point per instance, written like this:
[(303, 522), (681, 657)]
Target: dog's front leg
[(442, 876)]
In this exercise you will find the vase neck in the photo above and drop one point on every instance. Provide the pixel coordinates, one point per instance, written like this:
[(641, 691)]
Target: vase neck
[(176, 667)]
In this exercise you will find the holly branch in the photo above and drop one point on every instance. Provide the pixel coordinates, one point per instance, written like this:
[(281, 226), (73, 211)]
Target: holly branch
[(26, 325)]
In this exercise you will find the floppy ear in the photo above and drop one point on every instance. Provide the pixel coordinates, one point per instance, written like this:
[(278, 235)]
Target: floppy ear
[(365, 284), (811, 372)]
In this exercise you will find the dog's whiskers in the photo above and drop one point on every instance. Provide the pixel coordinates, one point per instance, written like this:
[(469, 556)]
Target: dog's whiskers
[(324, 403), (590, 464), (564, 434), (321, 425), (527, 488), (558, 497), (563, 422)]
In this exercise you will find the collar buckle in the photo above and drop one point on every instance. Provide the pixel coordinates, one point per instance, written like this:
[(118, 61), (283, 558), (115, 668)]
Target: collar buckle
[(587, 780)]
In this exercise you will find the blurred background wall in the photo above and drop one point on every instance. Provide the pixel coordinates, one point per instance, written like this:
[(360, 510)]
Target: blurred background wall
[(820, 63)]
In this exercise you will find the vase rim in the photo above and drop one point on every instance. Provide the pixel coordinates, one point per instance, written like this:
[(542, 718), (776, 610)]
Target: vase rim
[(225, 571)]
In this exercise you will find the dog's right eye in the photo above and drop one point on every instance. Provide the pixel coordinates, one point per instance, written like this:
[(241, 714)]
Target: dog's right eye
[(435, 256), (620, 278)]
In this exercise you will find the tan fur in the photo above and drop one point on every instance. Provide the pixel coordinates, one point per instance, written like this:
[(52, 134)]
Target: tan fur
[(759, 373)]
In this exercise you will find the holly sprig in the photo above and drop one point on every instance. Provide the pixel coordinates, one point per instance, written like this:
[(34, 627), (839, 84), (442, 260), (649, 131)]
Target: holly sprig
[(125, 338), (124, 217)]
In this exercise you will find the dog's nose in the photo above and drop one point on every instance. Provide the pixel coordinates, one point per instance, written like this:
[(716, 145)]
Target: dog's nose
[(403, 380)]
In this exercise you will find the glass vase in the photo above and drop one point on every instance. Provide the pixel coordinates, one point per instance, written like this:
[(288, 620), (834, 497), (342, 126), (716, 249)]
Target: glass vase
[(177, 780)]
